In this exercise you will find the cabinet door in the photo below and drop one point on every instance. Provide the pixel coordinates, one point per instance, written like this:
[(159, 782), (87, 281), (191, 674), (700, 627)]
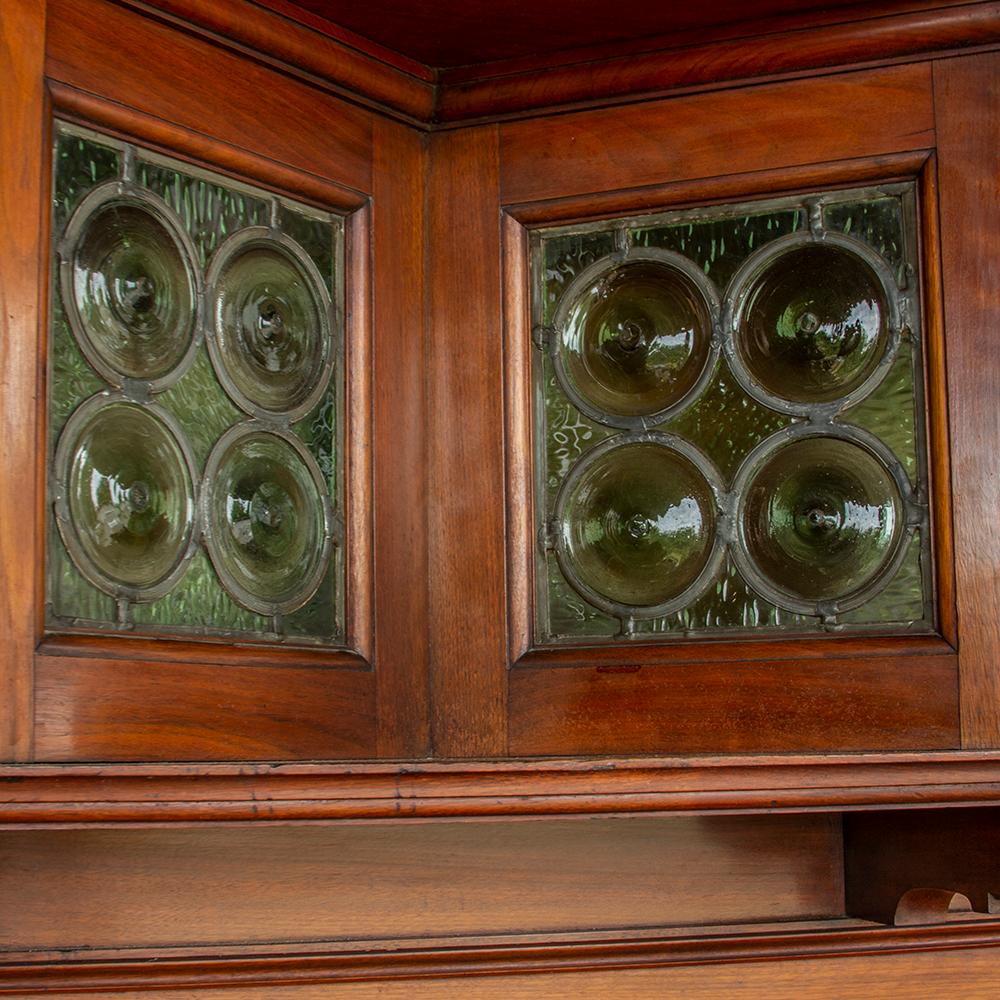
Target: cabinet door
[(727, 512), (207, 484)]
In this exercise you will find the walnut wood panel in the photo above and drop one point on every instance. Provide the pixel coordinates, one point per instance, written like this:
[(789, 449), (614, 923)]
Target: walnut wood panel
[(758, 128), (656, 66), (129, 794), (465, 503), (888, 854), (103, 709), (969, 164), (312, 48), (829, 705), (160, 888), (22, 196), (970, 969), (400, 489), (108, 50)]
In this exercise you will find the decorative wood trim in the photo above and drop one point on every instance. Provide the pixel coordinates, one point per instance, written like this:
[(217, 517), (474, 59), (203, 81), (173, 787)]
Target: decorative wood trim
[(423, 958), (359, 563), (936, 395), (533, 88), (156, 794), (313, 49), (23, 188)]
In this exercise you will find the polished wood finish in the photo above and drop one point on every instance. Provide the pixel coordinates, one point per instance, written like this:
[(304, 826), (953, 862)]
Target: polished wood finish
[(870, 113), (460, 32), (465, 469), (888, 854), (731, 695), (255, 885), (23, 190), (401, 622), (118, 709), (601, 77), (970, 970), (969, 161), (920, 907), (109, 795), (102, 48), (417, 960), (317, 50), (836, 704)]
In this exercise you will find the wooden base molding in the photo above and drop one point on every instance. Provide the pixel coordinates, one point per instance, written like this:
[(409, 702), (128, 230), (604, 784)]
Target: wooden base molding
[(156, 794), (515, 955)]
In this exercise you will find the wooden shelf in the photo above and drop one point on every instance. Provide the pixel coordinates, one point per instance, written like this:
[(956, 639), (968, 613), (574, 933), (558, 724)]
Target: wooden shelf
[(155, 794)]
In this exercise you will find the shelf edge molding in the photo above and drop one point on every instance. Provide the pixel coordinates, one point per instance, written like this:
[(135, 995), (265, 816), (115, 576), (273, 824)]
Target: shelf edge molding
[(82, 795)]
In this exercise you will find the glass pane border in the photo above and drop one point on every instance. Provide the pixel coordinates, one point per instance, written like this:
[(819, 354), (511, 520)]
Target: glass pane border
[(612, 217), (347, 277)]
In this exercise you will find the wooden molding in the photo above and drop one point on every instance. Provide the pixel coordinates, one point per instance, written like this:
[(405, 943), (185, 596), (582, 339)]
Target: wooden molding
[(511, 955), (313, 48), (318, 51), (144, 794), (709, 65)]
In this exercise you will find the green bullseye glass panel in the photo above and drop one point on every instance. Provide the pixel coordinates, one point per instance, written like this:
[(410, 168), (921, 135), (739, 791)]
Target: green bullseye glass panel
[(208, 211), (852, 354)]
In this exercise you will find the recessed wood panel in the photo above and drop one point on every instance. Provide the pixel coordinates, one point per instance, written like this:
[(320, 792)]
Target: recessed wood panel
[(244, 885), (788, 124), (100, 709), (885, 703), (103, 48)]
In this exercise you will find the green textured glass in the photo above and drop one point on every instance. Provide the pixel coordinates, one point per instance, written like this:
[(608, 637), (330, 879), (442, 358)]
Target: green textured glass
[(265, 519), (822, 518), (638, 526), (127, 512), (202, 214), (843, 371), (637, 339), (272, 342), (129, 284), (814, 325)]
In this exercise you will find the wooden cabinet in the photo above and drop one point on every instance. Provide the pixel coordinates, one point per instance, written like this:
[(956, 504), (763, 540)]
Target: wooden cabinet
[(263, 789)]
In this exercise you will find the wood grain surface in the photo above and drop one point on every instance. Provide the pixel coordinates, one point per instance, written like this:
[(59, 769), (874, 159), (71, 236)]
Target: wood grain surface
[(465, 465), (244, 885), (969, 191), (776, 125), (23, 220)]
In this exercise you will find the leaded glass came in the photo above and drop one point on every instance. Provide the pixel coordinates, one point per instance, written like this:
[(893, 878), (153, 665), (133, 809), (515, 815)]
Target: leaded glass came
[(194, 402), (728, 416)]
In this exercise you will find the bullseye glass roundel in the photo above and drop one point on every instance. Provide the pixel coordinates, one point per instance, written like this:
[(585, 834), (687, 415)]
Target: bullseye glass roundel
[(128, 497), (264, 518), (272, 344), (636, 340), (638, 524), (814, 324), (130, 289), (822, 517)]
